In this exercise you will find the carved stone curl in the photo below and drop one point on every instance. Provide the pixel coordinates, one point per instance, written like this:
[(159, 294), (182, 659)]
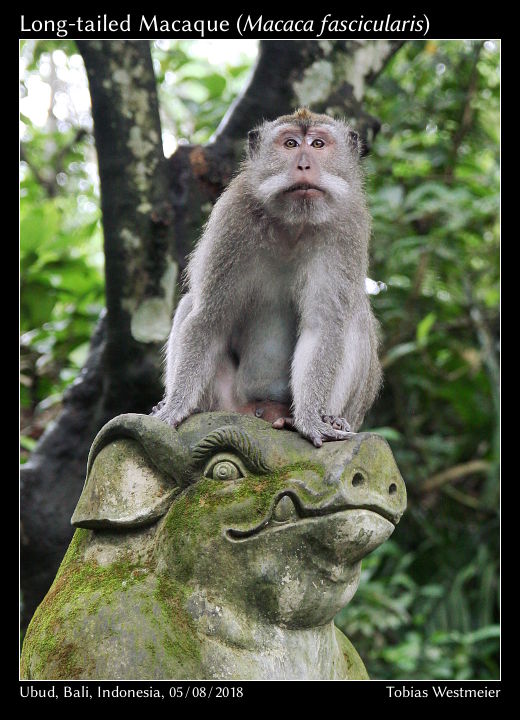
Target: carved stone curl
[(223, 549)]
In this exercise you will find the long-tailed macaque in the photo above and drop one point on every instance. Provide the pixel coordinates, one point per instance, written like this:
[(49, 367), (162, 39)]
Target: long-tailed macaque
[(276, 320)]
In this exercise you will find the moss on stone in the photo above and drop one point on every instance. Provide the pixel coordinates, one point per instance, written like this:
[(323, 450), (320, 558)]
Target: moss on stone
[(182, 644), (79, 587), (201, 500), (356, 669)]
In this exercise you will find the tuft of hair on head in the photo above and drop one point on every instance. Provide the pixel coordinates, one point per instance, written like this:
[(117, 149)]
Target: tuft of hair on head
[(303, 117), (304, 114)]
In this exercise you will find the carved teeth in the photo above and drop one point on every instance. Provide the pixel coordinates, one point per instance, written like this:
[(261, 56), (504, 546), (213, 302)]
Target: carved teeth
[(284, 509)]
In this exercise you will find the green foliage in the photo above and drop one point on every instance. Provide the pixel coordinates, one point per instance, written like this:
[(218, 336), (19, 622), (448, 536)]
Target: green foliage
[(61, 258), (195, 91), (427, 606)]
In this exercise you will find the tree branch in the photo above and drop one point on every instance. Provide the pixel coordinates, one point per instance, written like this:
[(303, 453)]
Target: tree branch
[(457, 472), (326, 77)]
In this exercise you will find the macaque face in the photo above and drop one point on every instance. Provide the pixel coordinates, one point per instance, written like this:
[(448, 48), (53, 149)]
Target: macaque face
[(304, 173), (304, 154)]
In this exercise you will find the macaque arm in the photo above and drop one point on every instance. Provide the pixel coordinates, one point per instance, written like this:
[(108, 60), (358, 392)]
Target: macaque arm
[(199, 344), (318, 357), (200, 333), (314, 367), (183, 309)]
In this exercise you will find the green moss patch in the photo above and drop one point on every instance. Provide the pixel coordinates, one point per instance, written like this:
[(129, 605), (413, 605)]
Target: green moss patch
[(181, 643), (79, 588)]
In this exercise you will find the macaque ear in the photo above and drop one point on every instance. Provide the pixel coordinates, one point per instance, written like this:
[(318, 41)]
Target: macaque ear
[(355, 141), (253, 137)]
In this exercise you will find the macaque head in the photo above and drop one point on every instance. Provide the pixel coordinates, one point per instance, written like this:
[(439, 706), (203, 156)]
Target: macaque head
[(304, 167)]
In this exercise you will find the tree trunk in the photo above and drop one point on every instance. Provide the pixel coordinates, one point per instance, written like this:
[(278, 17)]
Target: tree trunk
[(153, 210)]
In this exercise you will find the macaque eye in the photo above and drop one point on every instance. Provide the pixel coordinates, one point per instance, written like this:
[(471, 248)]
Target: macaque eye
[(317, 143), (224, 468), (291, 143)]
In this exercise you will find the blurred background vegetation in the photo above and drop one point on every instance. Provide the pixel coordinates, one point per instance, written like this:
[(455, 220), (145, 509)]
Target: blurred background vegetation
[(428, 604)]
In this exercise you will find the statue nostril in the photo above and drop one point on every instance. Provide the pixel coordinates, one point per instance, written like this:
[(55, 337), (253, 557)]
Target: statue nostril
[(358, 479), (392, 489)]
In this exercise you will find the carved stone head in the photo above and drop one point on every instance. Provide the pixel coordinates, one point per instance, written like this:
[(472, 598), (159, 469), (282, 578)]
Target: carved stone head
[(224, 533)]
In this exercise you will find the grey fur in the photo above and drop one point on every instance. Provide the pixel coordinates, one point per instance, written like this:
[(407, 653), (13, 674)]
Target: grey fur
[(276, 307)]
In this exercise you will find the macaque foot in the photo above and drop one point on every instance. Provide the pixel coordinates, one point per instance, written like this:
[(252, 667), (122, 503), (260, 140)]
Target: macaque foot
[(338, 423), (319, 431), (282, 423), (325, 430), (156, 408), (168, 414)]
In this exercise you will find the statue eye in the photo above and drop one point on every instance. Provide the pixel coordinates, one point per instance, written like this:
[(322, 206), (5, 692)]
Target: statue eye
[(291, 143), (317, 143), (225, 468)]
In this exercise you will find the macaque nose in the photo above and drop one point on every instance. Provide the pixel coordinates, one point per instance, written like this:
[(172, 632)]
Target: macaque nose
[(304, 162)]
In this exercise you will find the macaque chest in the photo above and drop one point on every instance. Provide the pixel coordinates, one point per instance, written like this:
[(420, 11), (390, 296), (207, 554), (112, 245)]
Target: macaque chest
[(263, 346)]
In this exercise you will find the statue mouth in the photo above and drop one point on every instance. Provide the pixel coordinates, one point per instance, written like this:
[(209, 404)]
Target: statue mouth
[(287, 510)]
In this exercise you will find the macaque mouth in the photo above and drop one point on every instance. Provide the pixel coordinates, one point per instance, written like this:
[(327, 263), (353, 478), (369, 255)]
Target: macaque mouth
[(288, 510), (302, 188)]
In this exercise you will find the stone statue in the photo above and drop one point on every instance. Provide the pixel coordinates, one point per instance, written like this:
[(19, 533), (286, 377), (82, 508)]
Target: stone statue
[(221, 550)]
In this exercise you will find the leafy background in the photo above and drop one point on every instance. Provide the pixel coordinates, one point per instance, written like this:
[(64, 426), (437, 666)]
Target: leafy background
[(427, 605)]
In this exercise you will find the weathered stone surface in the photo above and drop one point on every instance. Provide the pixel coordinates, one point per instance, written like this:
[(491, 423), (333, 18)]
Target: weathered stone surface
[(222, 549)]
